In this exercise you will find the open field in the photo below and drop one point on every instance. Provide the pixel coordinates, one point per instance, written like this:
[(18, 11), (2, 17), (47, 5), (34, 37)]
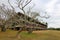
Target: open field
[(36, 35)]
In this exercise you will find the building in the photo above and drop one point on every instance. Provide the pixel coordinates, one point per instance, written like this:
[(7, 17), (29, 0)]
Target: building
[(29, 23)]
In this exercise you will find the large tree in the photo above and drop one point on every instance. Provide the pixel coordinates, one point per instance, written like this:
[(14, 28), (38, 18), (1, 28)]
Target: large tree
[(21, 4)]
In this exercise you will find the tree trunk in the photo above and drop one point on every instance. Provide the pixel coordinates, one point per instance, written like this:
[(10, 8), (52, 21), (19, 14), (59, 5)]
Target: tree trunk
[(20, 30), (3, 29), (30, 30)]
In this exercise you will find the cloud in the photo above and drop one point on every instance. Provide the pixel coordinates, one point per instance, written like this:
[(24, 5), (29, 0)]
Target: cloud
[(49, 6), (53, 8)]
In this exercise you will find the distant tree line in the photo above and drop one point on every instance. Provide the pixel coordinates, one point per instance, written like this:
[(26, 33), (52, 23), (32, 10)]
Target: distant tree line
[(53, 29)]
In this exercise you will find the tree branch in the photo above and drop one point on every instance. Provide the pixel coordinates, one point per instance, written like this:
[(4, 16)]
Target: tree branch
[(26, 4), (11, 5)]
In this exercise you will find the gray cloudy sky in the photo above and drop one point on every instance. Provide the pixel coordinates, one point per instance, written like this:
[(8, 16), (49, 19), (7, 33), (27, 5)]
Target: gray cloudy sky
[(52, 7)]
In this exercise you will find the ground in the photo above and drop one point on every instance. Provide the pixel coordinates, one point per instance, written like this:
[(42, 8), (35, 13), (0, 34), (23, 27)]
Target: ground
[(36, 35)]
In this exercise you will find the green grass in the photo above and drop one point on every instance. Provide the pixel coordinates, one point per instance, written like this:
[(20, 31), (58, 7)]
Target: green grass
[(36, 35)]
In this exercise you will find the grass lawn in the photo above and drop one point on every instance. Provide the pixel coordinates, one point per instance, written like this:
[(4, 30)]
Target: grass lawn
[(36, 35)]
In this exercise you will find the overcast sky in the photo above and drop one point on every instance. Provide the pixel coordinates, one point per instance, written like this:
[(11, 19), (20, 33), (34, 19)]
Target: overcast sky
[(52, 7)]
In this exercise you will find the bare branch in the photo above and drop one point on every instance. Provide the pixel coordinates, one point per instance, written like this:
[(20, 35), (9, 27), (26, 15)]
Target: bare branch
[(19, 3), (26, 4), (30, 10), (45, 16), (11, 5), (1, 7)]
